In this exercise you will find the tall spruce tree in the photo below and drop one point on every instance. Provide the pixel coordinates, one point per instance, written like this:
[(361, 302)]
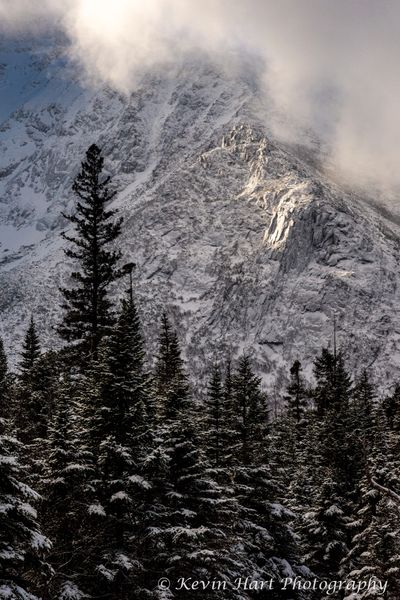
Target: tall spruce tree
[(218, 440), (370, 551), (87, 307)]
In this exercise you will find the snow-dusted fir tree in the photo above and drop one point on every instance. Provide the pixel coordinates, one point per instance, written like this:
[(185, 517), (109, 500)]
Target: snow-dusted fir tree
[(251, 414), (325, 529), (333, 480), (30, 408), (287, 437), (332, 394), (66, 472), (193, 535), (361, 428), (366, 558), (120, 436), (170, 378), (34, 393), (375, 549), (265, 523), (87, 307), (22, 545), (218, 422)]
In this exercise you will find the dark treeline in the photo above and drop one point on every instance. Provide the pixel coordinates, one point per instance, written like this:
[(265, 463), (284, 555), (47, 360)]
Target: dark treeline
[(112, 476)]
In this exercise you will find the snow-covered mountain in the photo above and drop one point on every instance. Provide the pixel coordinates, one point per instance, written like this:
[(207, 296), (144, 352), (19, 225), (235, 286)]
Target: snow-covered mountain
[(242, 237)]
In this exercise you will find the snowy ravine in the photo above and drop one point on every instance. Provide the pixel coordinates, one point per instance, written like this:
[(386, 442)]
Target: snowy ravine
[(249, 246)]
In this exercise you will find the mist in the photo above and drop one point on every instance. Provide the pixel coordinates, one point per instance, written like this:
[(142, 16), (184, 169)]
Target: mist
[(332, 66)]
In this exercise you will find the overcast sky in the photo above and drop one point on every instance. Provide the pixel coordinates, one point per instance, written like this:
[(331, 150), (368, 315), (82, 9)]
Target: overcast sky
[(332, 64)]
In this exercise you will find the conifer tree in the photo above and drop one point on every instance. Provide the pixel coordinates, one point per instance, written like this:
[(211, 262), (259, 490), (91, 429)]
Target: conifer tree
[(334, 476), (391, 406), (194, 533), (228, 381), (66, 473), (375, 550), (301, 478), (36, 385), (87, 307), (218, 442), (369, 556), (288, 434), (285, 455), (332, 393), (287, 437), (264, 522), (34, 397), (170, 378), (124, 384), (120, 436), (362, 423), (22, 545), (296, 396), (333, 385), (325, 529), (5, 396), (3, 370), (30, 350), (215, 443), (251, 410), (229, 418), (364, 396)]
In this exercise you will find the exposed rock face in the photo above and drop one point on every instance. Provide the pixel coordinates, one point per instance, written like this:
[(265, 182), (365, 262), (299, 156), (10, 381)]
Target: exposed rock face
[(249, 246)]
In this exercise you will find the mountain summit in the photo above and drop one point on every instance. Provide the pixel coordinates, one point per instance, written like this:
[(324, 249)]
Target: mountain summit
[(242, 236)]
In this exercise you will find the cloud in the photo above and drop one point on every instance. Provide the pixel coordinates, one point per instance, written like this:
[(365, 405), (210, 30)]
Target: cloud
[(331, 65)]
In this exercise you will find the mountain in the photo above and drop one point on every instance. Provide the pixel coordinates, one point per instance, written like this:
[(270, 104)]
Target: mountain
[(244, 237)]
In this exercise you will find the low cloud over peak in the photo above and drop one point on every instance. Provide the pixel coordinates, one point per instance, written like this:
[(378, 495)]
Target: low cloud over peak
[(332, 66)]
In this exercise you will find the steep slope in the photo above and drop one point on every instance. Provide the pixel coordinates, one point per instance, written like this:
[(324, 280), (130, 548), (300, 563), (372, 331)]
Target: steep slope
[(248, 245)]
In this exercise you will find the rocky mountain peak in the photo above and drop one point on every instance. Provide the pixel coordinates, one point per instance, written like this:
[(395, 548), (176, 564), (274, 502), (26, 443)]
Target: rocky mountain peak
[(249, 244)]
